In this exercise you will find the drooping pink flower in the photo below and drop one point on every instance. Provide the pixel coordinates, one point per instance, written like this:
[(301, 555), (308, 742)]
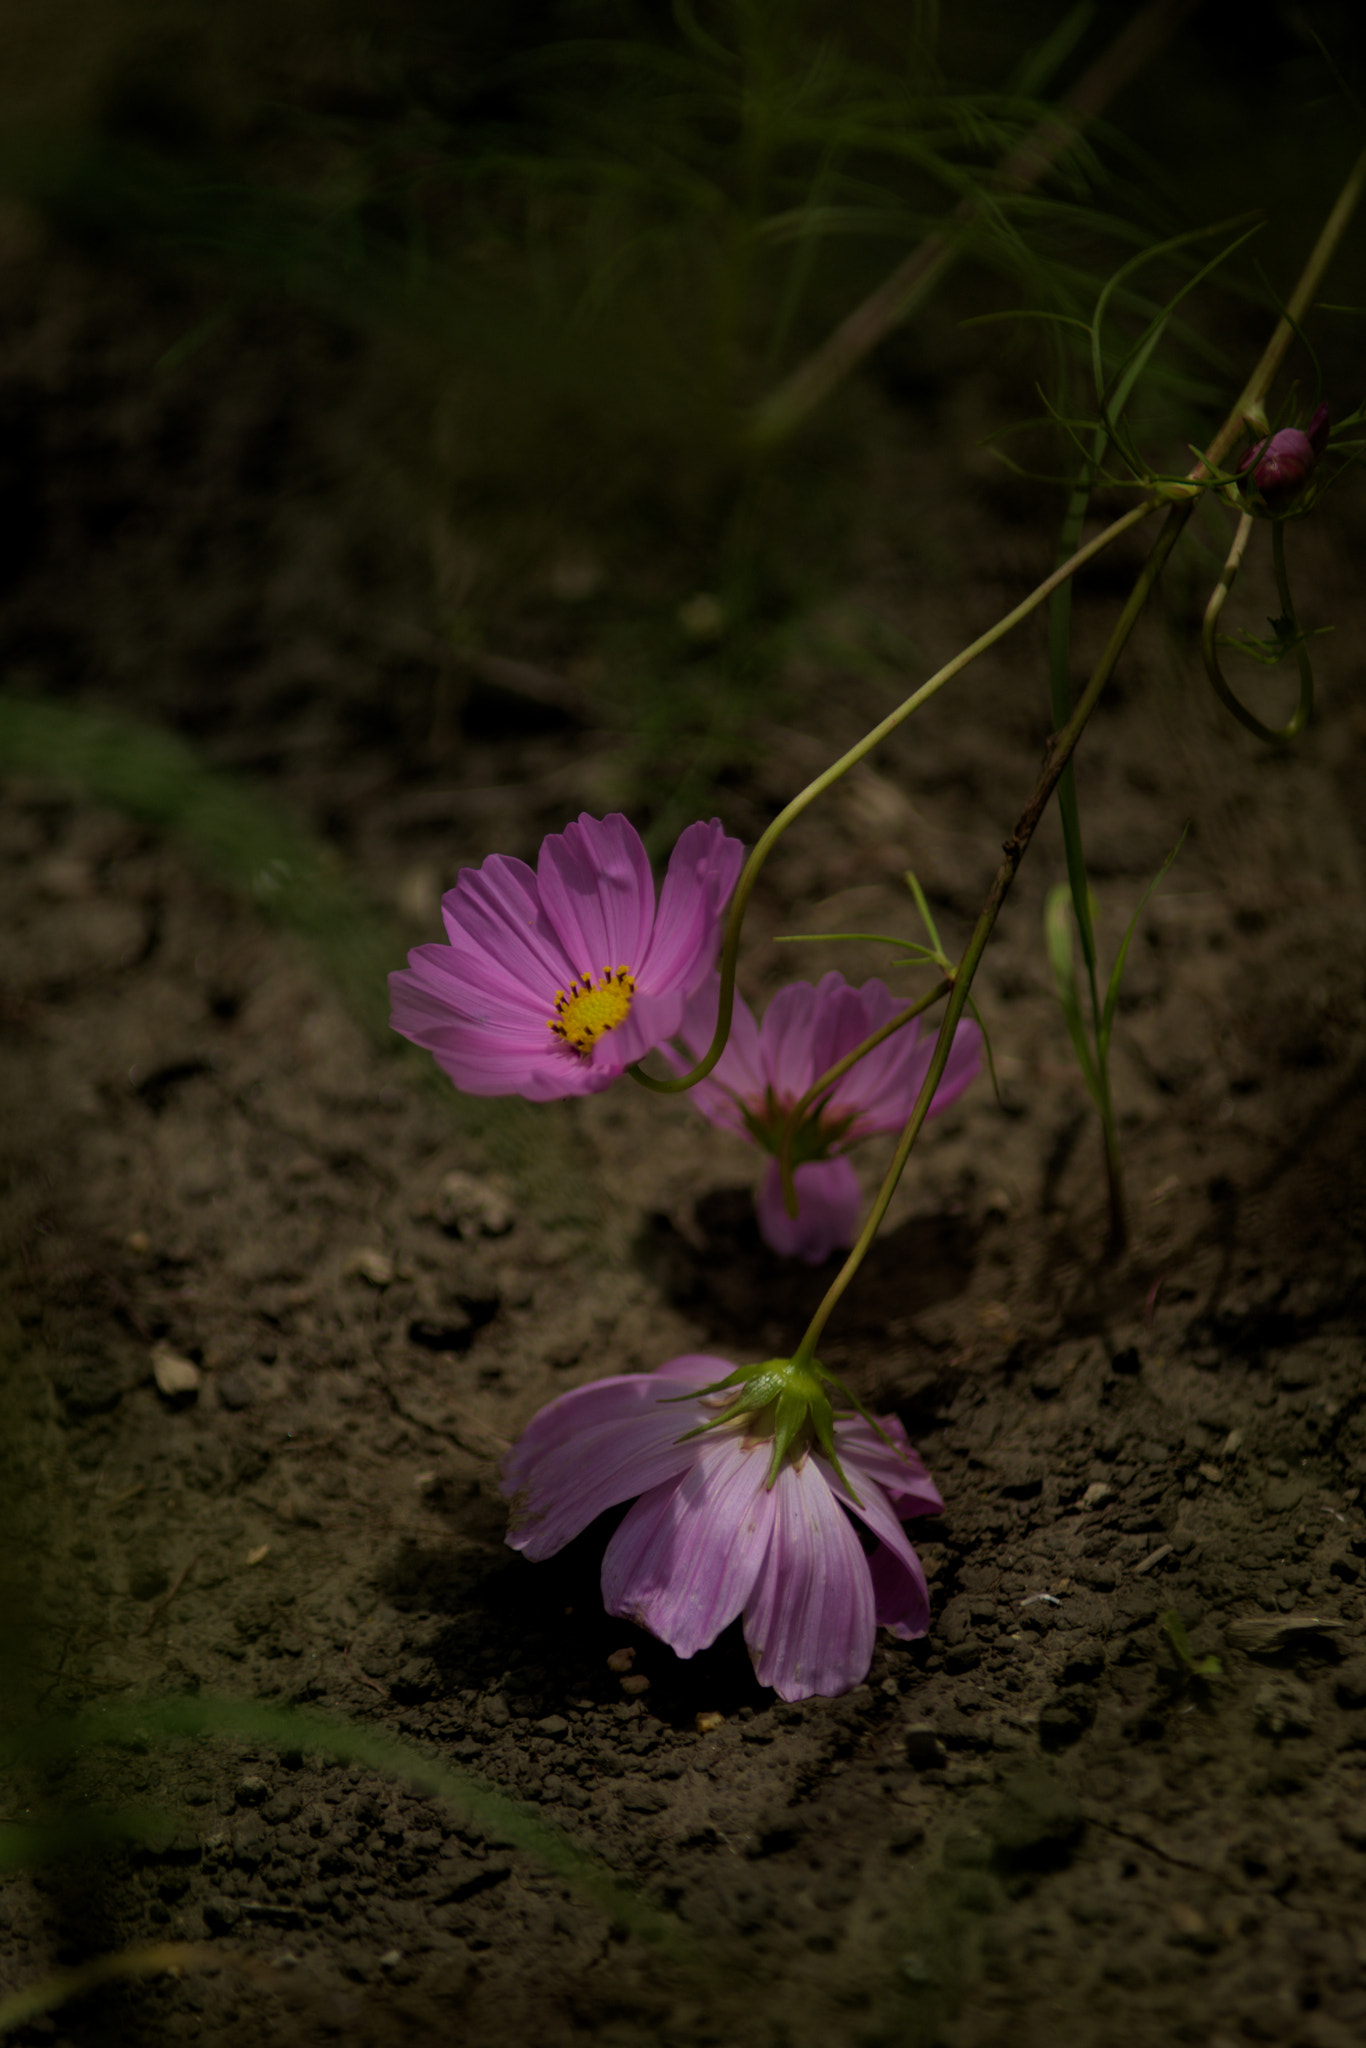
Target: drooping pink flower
[(552, 983), (709, 1538), (763, 1072)]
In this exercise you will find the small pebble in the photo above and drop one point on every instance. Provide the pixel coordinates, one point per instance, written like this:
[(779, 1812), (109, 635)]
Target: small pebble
[(469, 1207), (367, 1262), (177, 1378)]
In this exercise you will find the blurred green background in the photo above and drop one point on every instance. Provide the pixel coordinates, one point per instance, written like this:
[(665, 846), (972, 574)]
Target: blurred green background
[(552, 263)]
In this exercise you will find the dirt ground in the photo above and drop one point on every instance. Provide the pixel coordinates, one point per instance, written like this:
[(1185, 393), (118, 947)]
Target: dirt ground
[(1038, 1826)]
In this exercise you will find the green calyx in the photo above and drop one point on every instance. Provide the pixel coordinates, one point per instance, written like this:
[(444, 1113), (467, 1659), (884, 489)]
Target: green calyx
[(814, 1138), (784, 1400)]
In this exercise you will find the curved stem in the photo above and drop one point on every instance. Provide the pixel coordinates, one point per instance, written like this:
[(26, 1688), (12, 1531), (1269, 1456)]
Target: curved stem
[(1059, 753), (1250, 409), (1180, 496), (1300, 716), (796, 1116), (744, 888), (1311, 277), (1209, 638)]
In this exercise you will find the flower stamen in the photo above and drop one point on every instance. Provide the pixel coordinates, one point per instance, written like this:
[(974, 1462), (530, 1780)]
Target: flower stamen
[(589, 1007)]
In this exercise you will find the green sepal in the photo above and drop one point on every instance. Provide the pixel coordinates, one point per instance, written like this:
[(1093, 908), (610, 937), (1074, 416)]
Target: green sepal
[(814, 1137), (822, 1421), (762, 1384), (802, 1413)]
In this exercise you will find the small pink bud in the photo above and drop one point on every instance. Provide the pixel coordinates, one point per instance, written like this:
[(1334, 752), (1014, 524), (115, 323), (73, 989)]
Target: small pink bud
[(1282, 466)]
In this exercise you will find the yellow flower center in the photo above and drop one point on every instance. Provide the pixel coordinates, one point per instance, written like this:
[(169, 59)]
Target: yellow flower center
[(591, 1007)]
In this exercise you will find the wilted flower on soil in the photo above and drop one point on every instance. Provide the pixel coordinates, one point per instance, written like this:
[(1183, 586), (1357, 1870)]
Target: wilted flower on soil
[(1281, 466), (752, 1517), (763, 1072), (552, 983)]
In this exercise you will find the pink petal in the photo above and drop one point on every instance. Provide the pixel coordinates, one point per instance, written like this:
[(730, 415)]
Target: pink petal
[(896, 1575), (510, 1056), (737, 1076), (685, 1559), (597, 1446), (598, 894), (424, 1000), (883, 1086), (810, 1621), (702, 873), (500, 938), (964, 1065), (840, 1021), (652, 1019), (894, 1468), (829, 1204), (881, 1090), (785, 1041), (901, 1598)]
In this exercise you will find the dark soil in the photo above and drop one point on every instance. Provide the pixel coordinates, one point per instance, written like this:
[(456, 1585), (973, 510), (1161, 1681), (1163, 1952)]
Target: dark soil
[(1038, 1826)]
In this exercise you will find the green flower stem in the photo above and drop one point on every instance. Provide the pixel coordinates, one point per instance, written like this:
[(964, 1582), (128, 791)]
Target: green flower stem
[(1059, 752), (744, 888), (1250, 409), (797, 1114), (1209, 638)]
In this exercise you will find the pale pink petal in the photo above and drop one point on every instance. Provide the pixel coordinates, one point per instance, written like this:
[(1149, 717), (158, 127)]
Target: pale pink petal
[(737, 1075), (500, 937), (702, 874), (839, 1022), (685, 1559), (599, 1445), (424, 993), (503, 1054), (829, 1204), (598, 894), (894, 1468), (694, 1368), (964, 1065), (881, 1090), (895, 1573), (785, 1041), (882, 1087), (810, 1621), (901, 1598)]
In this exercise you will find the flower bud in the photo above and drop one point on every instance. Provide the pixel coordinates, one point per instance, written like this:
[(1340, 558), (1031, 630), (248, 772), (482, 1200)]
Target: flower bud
[(1282, 466)]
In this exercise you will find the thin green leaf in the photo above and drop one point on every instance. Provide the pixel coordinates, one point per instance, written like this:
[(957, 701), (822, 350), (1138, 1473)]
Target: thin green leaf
[(923, 907), (986, 1045), (1057, 926), (1107, 1015)]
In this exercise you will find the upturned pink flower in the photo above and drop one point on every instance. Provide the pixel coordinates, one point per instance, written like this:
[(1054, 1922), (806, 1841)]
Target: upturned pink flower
[(764, 1072), (552, 983), (709, 1537), (1281, 466)]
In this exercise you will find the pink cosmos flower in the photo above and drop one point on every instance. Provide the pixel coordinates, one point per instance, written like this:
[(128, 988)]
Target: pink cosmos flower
[(552, 983), (763, 1072), (709, 1539)]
